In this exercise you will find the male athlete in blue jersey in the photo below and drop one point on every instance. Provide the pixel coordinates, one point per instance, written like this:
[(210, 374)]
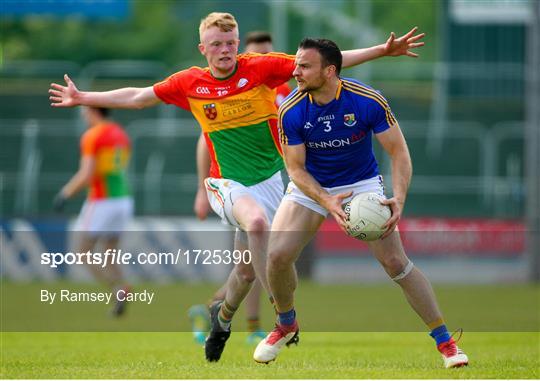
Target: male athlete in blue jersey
[(326, 128)]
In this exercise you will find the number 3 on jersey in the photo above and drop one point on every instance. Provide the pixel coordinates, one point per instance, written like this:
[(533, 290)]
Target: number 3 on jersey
[(327, 127)]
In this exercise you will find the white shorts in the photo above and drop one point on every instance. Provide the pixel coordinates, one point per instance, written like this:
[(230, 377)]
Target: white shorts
[(375, 185), (222, 193), (105, 217)]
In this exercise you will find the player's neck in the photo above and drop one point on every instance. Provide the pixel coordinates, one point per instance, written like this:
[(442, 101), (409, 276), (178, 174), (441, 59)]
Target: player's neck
[(327, 93), (222, 74)]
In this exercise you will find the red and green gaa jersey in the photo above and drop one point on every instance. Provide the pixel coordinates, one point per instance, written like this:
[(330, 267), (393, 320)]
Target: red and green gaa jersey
[(237, 114), (109, 145)]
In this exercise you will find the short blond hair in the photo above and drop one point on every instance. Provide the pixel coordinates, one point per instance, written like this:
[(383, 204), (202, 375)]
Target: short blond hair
[(224, 21)]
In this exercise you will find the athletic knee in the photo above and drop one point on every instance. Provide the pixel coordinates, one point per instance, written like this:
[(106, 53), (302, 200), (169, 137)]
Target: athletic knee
[(405, 272), (279, 259), (393, 265), (257, 224), (245, 274)]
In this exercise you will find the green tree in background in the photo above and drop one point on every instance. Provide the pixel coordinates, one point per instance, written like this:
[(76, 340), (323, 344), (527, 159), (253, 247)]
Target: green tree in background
[(166, 31), (400, 16), (152, 31)]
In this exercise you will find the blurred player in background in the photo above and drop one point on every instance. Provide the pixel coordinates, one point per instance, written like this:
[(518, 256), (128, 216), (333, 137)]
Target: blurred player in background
[(233, 102), (105, 153), (327, 108), (261, 42), (256, 42)]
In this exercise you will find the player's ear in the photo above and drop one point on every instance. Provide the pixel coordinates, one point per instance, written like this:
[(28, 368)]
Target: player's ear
[(201, 48), (330, 71)]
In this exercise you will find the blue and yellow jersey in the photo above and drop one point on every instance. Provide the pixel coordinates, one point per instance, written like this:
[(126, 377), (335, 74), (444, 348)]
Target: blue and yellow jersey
[(338, 135)]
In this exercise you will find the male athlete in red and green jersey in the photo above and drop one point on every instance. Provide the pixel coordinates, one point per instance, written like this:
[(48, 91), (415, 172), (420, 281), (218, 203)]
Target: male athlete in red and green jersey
[(237, 113), (105, 153)]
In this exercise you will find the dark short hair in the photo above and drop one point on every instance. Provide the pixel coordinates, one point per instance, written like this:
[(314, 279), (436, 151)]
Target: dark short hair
[(329, 51), (257, 37), (103, 111)]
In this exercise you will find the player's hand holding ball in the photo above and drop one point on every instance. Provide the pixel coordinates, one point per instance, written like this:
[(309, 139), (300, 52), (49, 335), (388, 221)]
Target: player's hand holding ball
[(333, 205), (396, 207)]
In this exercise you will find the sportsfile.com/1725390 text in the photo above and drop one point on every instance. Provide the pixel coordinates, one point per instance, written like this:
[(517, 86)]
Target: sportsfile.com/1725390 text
[(180, 257)]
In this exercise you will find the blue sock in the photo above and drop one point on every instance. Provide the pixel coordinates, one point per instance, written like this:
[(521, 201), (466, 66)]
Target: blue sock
[(287, 318), (440, 334)]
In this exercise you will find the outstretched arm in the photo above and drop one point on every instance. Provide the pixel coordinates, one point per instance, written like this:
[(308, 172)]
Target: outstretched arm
[(392, 47), (129, 97)]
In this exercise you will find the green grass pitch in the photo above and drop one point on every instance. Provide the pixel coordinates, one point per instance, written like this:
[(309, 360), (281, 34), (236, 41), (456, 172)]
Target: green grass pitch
[(366, 353)]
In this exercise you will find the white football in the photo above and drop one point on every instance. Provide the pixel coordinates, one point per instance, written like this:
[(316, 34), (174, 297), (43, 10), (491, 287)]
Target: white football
[(366, 215)]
